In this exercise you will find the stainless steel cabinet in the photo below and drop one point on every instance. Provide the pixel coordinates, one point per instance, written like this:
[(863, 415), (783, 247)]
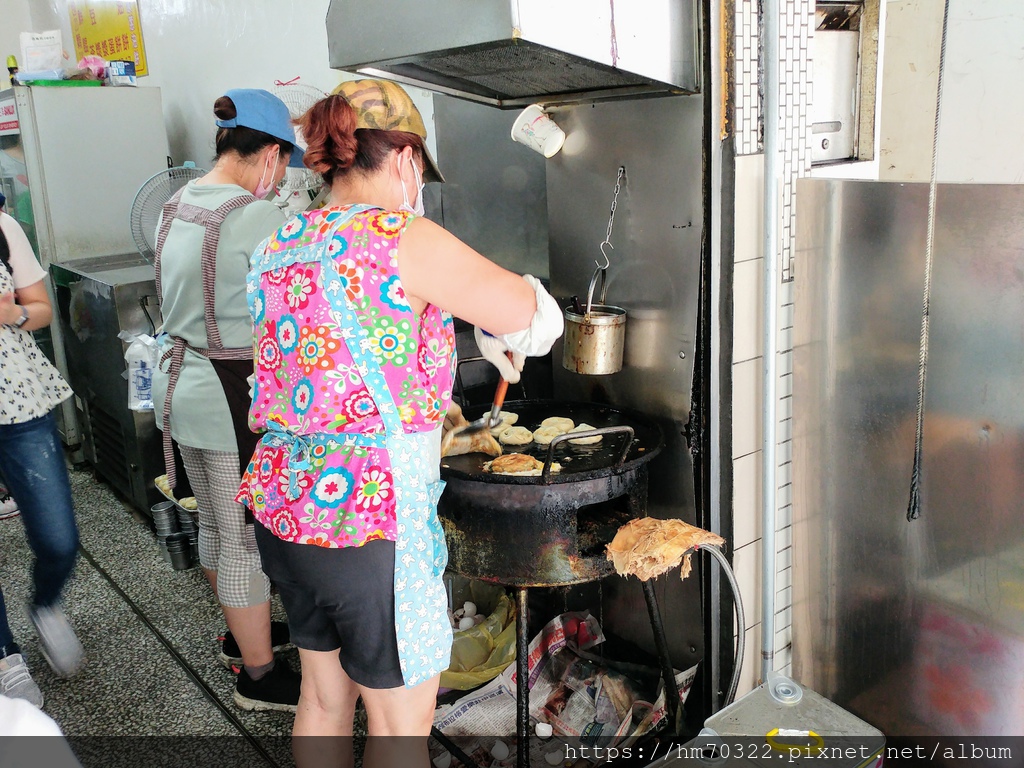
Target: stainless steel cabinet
[(96, 299)]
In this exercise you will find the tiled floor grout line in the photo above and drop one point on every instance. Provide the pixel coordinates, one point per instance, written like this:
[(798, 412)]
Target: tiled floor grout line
[(207, 691)]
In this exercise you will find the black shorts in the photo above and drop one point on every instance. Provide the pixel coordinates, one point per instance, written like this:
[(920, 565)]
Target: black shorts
[(339, 599)]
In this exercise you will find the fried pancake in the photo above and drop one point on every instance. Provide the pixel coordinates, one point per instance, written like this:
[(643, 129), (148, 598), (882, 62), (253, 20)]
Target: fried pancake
[(518, 464)]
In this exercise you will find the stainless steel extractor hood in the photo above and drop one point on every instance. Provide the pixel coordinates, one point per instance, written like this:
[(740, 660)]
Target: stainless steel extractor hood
[(510, 53)]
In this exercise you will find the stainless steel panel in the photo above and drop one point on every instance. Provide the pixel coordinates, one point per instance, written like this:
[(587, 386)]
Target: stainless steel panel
[(654, 275), (895, 620), (95, 300), (515, 52), (495, 196)]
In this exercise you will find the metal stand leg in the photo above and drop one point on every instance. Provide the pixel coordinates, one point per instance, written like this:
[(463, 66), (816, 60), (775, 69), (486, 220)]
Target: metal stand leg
[(671, 689), (452, 747), (522, 680)]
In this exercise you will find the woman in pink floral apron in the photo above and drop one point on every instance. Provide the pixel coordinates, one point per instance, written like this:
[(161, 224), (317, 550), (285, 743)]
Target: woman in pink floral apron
[(355, 357)]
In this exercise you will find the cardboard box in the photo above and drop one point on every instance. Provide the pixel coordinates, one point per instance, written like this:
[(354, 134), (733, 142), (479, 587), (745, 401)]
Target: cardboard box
[(121, 73)]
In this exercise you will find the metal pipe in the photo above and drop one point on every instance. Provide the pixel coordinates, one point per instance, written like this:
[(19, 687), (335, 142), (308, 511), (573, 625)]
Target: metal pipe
[(770, 116), (661, 643), (453, 749), (522, 679)]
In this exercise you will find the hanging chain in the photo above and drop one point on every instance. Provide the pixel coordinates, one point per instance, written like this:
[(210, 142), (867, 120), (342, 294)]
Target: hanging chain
[(611, 217), (615, 200)]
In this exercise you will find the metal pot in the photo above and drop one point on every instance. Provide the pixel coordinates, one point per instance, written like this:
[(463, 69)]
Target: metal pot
[(594, 338)]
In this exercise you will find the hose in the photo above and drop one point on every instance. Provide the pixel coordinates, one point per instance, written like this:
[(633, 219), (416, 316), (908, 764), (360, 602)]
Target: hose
[(741, 633)]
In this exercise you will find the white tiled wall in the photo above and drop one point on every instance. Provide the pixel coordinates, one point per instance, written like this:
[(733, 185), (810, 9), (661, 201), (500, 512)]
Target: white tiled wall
[(797, 24), (797, 31), (748, 108)]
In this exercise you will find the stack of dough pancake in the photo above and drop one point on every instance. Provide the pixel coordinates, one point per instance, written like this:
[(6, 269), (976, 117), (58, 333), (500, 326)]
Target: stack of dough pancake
[(548, 430)]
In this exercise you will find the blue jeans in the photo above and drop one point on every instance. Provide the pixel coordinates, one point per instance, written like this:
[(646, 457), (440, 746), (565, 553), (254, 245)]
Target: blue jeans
[(37, 477)]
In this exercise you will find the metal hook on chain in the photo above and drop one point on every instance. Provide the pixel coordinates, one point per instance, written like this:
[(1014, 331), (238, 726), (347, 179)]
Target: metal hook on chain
[(611, 220)]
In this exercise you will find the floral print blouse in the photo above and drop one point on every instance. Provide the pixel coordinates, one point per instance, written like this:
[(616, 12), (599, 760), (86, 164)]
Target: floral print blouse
[(306, 382)]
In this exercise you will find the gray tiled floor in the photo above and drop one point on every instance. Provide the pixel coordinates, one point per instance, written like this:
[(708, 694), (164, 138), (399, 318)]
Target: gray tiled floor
[(151, 637)]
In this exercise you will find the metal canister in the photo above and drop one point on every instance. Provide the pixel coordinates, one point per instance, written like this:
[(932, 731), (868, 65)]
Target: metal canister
[(594, 336), (593, 341)]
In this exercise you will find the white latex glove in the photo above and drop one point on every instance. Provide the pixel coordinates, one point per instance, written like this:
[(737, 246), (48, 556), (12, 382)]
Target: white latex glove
[(493, 350), (545, 327)]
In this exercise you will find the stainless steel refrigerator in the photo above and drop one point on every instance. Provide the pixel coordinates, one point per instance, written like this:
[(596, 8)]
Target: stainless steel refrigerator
[(71, 161)]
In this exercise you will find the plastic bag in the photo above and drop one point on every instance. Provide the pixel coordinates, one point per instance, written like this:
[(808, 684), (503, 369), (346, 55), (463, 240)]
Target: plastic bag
[(481, 653), (97, 65), (141, 357)]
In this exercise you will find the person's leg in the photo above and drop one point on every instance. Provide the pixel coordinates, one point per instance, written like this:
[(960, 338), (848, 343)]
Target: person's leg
[(37, 477), (236, 577), (242, 589), (322, 734), (401, 711), (398, 724)]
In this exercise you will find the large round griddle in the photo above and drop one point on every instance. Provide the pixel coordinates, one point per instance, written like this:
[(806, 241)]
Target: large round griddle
[(618, 451)]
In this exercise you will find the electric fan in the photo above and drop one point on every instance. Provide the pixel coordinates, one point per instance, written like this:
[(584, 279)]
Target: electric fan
[(300, 186), (149, 203)]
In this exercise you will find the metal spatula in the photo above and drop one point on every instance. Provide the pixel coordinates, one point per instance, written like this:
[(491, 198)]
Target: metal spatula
[(493, 417)]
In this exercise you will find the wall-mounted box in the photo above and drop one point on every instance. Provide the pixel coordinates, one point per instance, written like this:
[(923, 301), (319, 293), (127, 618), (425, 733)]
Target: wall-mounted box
[(842, 60)]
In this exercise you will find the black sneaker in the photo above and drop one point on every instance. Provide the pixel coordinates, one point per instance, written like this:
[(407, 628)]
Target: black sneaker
[(231, 656), (276, 691)]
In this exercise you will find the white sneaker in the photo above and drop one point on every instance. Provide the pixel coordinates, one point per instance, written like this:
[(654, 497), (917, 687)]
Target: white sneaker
[(59, 644), (8, 507), (17, 682)]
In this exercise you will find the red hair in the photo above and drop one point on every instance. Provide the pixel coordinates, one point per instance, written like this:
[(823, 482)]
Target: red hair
[(334, 145)]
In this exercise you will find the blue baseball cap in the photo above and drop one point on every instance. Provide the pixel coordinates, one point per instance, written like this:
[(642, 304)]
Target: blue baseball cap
[(263, 111)]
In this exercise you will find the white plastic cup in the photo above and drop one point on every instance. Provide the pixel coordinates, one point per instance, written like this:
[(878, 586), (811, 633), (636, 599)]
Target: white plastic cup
[(539, 132)]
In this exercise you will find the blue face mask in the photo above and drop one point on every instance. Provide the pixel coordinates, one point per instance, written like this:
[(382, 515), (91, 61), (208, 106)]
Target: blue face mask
[(418, 207)]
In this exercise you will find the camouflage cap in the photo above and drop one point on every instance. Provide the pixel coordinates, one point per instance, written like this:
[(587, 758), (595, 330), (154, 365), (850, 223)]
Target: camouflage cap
[(383, 105)]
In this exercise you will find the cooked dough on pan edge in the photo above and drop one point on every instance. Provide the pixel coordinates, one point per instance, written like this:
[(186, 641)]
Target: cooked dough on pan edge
[(584, 440)]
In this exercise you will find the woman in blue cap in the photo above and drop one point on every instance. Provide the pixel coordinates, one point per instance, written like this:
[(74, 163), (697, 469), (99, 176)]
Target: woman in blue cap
[(206, 235)]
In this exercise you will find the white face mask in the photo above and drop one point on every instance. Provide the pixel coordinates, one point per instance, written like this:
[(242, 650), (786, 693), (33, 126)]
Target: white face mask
[(418, 207), (263, 192)]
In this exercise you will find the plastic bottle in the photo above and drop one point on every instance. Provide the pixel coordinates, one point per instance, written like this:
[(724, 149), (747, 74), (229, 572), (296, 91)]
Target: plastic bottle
[(140, 359)]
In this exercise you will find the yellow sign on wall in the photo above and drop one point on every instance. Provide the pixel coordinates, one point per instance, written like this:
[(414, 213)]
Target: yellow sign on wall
[(108, 29)]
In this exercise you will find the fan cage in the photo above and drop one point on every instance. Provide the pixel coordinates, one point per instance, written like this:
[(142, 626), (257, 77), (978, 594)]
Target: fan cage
[(299, 97), (149, 203)]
